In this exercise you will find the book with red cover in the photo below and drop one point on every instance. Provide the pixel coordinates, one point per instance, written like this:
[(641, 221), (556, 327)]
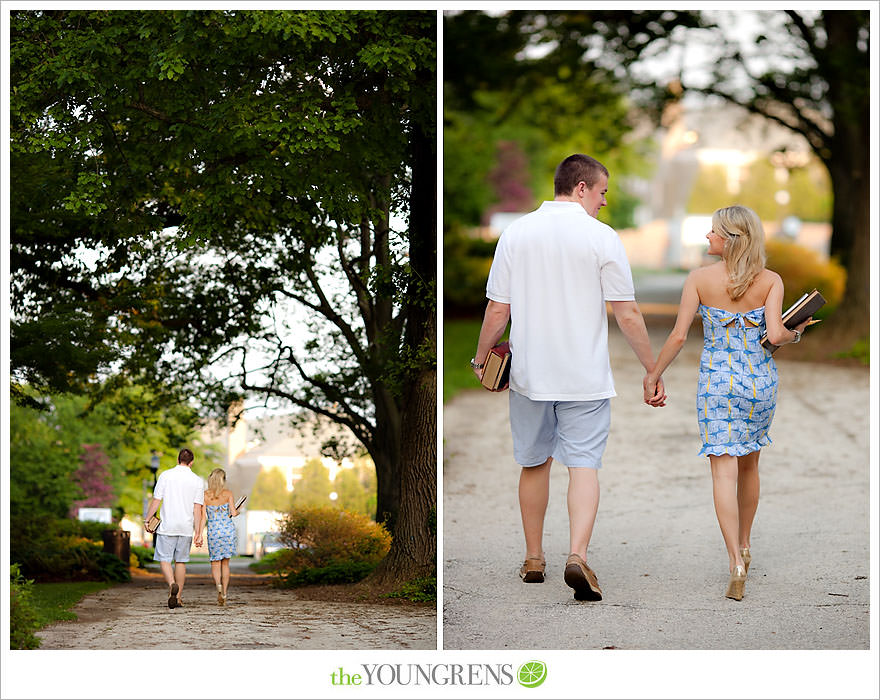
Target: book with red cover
[(796, 314), (496, 371)]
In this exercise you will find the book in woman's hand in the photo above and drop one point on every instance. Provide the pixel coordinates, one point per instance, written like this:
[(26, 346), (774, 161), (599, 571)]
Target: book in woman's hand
[(796, 314), (240, 502)]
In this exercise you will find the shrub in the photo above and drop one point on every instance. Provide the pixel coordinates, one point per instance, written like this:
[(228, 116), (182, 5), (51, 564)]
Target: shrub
[(22, 615), (268, 563), (803, 269), (332, 540), (420, 590), (142, 555), (336, 573), (63, 549), (112, 568), (465, 271)]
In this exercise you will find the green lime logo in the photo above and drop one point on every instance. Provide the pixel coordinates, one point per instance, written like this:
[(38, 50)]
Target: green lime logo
[(532, 673)]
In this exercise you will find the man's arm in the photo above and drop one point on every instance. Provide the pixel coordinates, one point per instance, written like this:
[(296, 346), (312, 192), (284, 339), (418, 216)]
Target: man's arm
[(630, 320), (197, 523), (494, 324), (632, 324), (153, 507)]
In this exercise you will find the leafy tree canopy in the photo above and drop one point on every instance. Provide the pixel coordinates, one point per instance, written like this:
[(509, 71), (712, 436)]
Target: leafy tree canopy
[(48, 446), (233, 203)]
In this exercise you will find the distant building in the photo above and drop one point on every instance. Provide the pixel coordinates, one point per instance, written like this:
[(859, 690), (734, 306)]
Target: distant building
[(272, 443)]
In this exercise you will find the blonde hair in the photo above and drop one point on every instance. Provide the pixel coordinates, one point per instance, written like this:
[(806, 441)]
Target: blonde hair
[(216, 482), (743, 254)]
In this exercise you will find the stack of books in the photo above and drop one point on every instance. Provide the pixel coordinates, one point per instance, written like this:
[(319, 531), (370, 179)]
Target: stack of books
[(796, 314), (496, 371)]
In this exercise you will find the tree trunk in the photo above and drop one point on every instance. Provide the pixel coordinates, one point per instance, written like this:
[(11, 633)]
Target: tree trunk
[(850, 171), (413, 551), (851, 212), (386, 458)]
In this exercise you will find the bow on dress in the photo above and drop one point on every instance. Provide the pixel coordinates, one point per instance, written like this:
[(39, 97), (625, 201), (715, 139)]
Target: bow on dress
[(739, 319)]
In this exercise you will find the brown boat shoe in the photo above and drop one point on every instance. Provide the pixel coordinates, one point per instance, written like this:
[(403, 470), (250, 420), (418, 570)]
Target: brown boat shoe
[(582, 579), (532, 570)]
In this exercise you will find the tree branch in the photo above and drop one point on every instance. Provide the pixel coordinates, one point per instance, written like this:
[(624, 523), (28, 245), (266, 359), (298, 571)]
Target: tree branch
[(354, 279), (817, 139), (805, 32)]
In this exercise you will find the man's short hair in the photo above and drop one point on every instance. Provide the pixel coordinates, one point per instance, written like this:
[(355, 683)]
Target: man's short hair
[(185, 457), (574, 169)]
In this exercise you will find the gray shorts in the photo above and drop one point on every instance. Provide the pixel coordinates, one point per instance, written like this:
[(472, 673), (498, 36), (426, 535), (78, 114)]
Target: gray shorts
[(172, 548), (572, 432)]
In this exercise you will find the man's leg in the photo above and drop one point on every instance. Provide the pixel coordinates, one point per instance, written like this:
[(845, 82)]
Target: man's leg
[(583, 433), (164, 554), (534, 494), (179, 577), (583, 504), (167, 572)]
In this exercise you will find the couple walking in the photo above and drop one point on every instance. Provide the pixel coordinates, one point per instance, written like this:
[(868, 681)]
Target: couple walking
[(553, 272), (186, 507)]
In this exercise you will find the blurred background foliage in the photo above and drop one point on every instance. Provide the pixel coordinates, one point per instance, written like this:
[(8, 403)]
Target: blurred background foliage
[(525, 88), (70, 453), (808, 186)]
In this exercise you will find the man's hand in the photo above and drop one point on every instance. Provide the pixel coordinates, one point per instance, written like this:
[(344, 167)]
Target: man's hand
[(199, 541), (655, 391)]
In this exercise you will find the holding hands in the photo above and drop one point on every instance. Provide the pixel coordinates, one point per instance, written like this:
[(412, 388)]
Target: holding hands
[(655, 391)]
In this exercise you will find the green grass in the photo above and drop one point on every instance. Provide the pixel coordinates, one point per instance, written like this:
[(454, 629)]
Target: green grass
[(860, 351), (459, 344), (52, 601), (422, 590)]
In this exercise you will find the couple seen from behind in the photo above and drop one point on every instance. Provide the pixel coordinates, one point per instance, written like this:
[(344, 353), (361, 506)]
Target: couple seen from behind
[(187, 506), (553, 271)]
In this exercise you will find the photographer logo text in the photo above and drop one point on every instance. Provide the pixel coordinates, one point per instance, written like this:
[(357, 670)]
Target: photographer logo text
[(529, 675)]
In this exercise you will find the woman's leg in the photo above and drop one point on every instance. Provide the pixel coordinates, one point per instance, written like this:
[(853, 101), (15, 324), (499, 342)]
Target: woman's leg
[(225, 563), (724, 480), (747, 492), (215, 572)]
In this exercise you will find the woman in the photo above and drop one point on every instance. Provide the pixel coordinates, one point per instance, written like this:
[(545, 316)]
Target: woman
[(738, 299), (219, 510)]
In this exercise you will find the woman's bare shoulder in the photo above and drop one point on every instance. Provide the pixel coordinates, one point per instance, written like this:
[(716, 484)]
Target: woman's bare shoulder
[(769, 276), (708, 271)]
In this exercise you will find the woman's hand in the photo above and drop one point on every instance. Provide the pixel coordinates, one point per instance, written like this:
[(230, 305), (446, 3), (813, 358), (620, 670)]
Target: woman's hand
[(800, 327), (655, 392)]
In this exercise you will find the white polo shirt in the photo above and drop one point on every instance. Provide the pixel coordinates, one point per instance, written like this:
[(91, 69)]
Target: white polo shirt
[(556, 267), (178, 489)]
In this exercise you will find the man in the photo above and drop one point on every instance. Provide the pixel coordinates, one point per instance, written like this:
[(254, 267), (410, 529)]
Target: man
[(182, 495), (552, 273)]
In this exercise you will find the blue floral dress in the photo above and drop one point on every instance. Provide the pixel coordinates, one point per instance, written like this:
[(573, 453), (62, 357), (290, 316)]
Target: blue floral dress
[(736, 396), (221, 533)]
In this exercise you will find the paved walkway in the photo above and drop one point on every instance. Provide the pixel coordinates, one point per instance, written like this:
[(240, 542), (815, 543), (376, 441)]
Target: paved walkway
[(656, 547), (135, 615)]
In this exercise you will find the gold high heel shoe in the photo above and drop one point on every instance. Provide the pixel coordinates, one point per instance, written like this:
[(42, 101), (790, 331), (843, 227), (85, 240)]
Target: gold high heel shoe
[(736, 587), (747, 557)]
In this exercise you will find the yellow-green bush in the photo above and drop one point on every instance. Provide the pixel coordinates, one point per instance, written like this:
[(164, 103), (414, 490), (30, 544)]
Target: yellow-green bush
[(320, 537), (22, 615), (803, 269)]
